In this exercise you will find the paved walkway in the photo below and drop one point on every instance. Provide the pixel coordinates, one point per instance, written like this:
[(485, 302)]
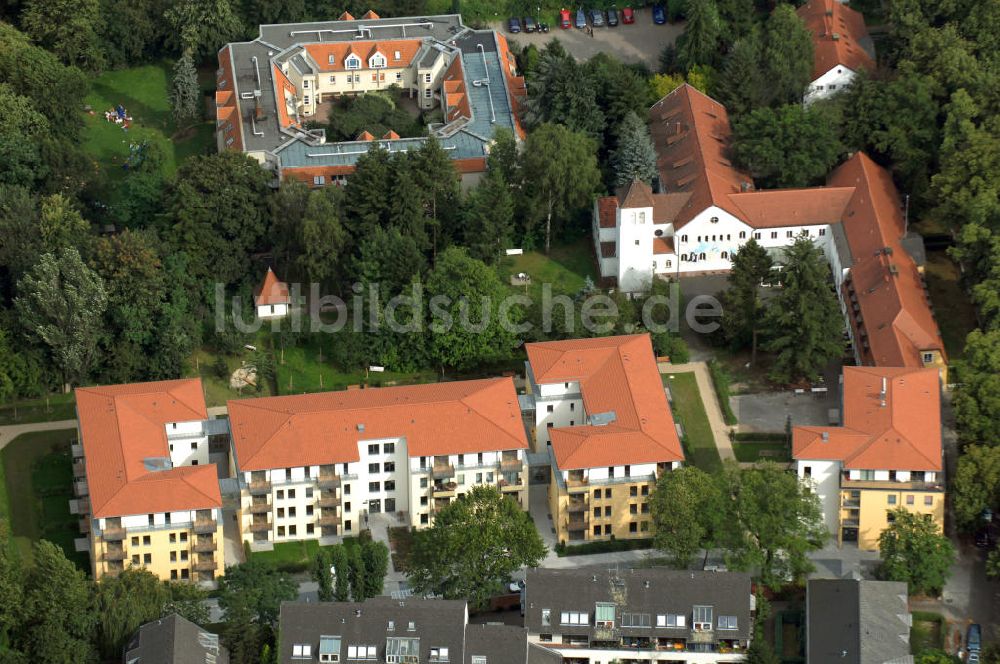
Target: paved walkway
[(720, 430), (379, 525), (12, 431)]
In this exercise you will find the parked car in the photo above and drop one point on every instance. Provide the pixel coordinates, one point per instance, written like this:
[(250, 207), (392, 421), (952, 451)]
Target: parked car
[(529, 24), (612, 18), (564, 21), (659, 14), (974, 638), (597, 18), (543, 27), (972, 657), (581, 19), (514, 25), (628, 16), (983, 539)]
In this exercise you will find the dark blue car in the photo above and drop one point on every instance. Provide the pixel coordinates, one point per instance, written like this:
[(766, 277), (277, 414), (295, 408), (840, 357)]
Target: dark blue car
[(581, 19), (659, 14), (514, 25)]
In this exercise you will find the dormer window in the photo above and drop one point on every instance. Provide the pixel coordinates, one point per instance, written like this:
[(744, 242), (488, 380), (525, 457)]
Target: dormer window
[(396, 55), (332, 59), (352, 62), (377, 61)]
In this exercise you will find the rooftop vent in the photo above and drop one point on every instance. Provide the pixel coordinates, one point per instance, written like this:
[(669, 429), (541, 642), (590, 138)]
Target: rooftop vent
[(826, 436)]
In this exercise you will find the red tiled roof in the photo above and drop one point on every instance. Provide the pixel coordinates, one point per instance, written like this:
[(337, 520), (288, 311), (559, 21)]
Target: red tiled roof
[(903, 434), (272, 291), (606, 207), (317, 429), (456, 97), (663, 245), (370, 16), (285, 90), (390, 135), (306, 174), (120, 426), (637, 194), (839, 36), (321, 52), (691, 133), (346, 16), (365, 136), (615, 374), (895, 316), (227, 110), (792, 207), (515, 84)]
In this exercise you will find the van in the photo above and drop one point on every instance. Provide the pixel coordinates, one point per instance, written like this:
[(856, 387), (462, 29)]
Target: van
[(974, 638)]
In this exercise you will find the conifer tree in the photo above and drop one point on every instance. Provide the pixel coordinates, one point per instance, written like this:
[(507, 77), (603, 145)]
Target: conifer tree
[(635, 156), (184, 93)]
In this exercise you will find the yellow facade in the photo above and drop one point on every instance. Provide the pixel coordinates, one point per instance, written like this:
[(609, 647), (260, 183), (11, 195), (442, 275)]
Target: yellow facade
[(866, 506), (935, 360), (585, 512), (190, 552)]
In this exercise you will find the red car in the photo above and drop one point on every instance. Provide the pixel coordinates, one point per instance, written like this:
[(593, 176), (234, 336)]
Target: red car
[(628, 16), (564, 21)]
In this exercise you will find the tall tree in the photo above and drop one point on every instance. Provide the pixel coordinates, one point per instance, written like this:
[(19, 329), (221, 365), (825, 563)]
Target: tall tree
[(322, 576), (774, 522), (742, 86), (217, 205), (202, 26), (744, 310), (122, 604), (465, 321), (434, 173), (322, 235), (68, 28), (473, 546), (560, 174), (376, 559), (560, 91), (185, 95), (11, 586), (699, 44), (791, 146), (687, 508), (342, 582), (489, 218), (251, 595), (914, 550), (976, 486), (803, 323), (28, 231), (977, 399), (634, 157), (58, 618), (357, 573), (61, 303), (788, 55)]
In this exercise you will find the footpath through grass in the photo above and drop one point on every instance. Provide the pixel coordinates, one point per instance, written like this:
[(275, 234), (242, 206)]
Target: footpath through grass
[(38, 485), (689, 410)]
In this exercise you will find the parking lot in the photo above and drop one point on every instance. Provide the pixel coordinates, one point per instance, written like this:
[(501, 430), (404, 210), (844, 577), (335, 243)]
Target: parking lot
[(641, 41)]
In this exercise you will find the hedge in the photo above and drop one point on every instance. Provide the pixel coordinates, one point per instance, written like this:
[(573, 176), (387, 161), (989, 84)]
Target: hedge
[(603, 546), (720, 379)]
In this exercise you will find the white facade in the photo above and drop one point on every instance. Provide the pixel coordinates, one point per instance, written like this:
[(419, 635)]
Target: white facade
[(824, 479), (556, 405), (272, 310), (829, 84), (188, 443), (613, 655), (160, 520)]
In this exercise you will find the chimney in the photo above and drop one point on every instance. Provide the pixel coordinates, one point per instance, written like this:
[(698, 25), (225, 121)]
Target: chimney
[(882, 395)]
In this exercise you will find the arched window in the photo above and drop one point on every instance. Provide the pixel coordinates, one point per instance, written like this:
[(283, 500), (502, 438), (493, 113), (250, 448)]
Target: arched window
[(725, 255), (701, 257), (743, 234)]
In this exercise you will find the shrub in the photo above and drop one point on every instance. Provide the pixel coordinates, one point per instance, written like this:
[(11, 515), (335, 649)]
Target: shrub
[(720, 379)]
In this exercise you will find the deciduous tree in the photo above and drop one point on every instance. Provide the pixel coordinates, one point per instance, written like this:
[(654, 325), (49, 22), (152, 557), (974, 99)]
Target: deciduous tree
[(473, 547), (977, 398), (687, 508), (976, 486), (68, 28), (122, 604), (375, 556), (788, 55), (914, 550), (744, 309)]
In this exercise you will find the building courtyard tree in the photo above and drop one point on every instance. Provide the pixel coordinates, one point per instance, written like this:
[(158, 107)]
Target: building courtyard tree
[(915, 551)]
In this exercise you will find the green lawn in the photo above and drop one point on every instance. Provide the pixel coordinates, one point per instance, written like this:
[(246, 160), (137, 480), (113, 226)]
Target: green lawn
[(689, 410), (401, 539), (752, 451), (954, 312), (566, 267), (927, 632), (295, 556), (45, 409), (143, 91), (38, 484)]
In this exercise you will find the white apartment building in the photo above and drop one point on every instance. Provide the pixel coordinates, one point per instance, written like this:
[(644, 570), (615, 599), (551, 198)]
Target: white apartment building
[(316, 466)]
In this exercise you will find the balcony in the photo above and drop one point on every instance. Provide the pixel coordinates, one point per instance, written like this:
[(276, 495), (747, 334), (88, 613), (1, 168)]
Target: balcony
[(205, 526), (260, 488), (79, 469), (327, 500), (84, 526), (890, 485), (576, 522), (204, 545), (113, 534), (114, 553), (328, 520), (441, 471), (702, 636), (445, 489), (204, 566), (329, 481), (260, 508), (577, 505), (851, 503), (507, 485), (510, 463), (576, 479), (77, 450), (850, 523), (260, 526)]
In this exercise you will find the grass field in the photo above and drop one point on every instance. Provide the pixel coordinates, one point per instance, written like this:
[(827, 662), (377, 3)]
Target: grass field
[(38, 484), (688, 408), (295, 556), (751, 451), (566, 268), (927, 632), (45, 409), (143, 91), (954, 312)]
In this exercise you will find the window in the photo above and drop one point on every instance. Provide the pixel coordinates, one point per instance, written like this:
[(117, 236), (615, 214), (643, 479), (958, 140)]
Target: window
[(135, 559), (427, 78), (145, 540), (319, 180), (478, 659), (633, 509), (607, 493), (333, 80), (597, 494), (280, 495), (185, 574), (309, 529), (347, 506), (670, 620), (572, 406), (668, 263), (352, 62), (574, 618), (377, 61), (301, 651), (281, 531), (725, 255), (789, 233), (727, 622), (373, 449), (892, 500), (545, 638), (332, 59), (293, 530), (928, 358), (756, 236), (702, 617), (362, 652), (928, 500), (546, 617), (329, 648), (636, 620), (173, 575), (390, 485), (549, 408), (684, 238), (822, 232), (309, 492), (291, 494), (374, 467), (645, 489), (607, 529), (423, 482), (714, 220), (184, 537), (701, 256), (607, 510), (281, 512), (637, 243), (389, 467), (423, 518), (633, 527), (389, 448), (305, 83), (427, 93), (645, 508), (633, 491), (743, 234), (833, 86), (395, 56), (173, 556), (807, 471), (774, 235), (291, 511), (147, 558), (439, 655), (909, 500), (374, 487), (135, 540)]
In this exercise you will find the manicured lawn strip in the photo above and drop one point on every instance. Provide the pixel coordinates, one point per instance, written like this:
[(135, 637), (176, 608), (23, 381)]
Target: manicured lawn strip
[(608, 546), (720, 380), (953, 311), (296, 557), (302, 371), (566, 268), (38, 482), (751, 451), (689, 410), (55, 407), (927, 632)]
